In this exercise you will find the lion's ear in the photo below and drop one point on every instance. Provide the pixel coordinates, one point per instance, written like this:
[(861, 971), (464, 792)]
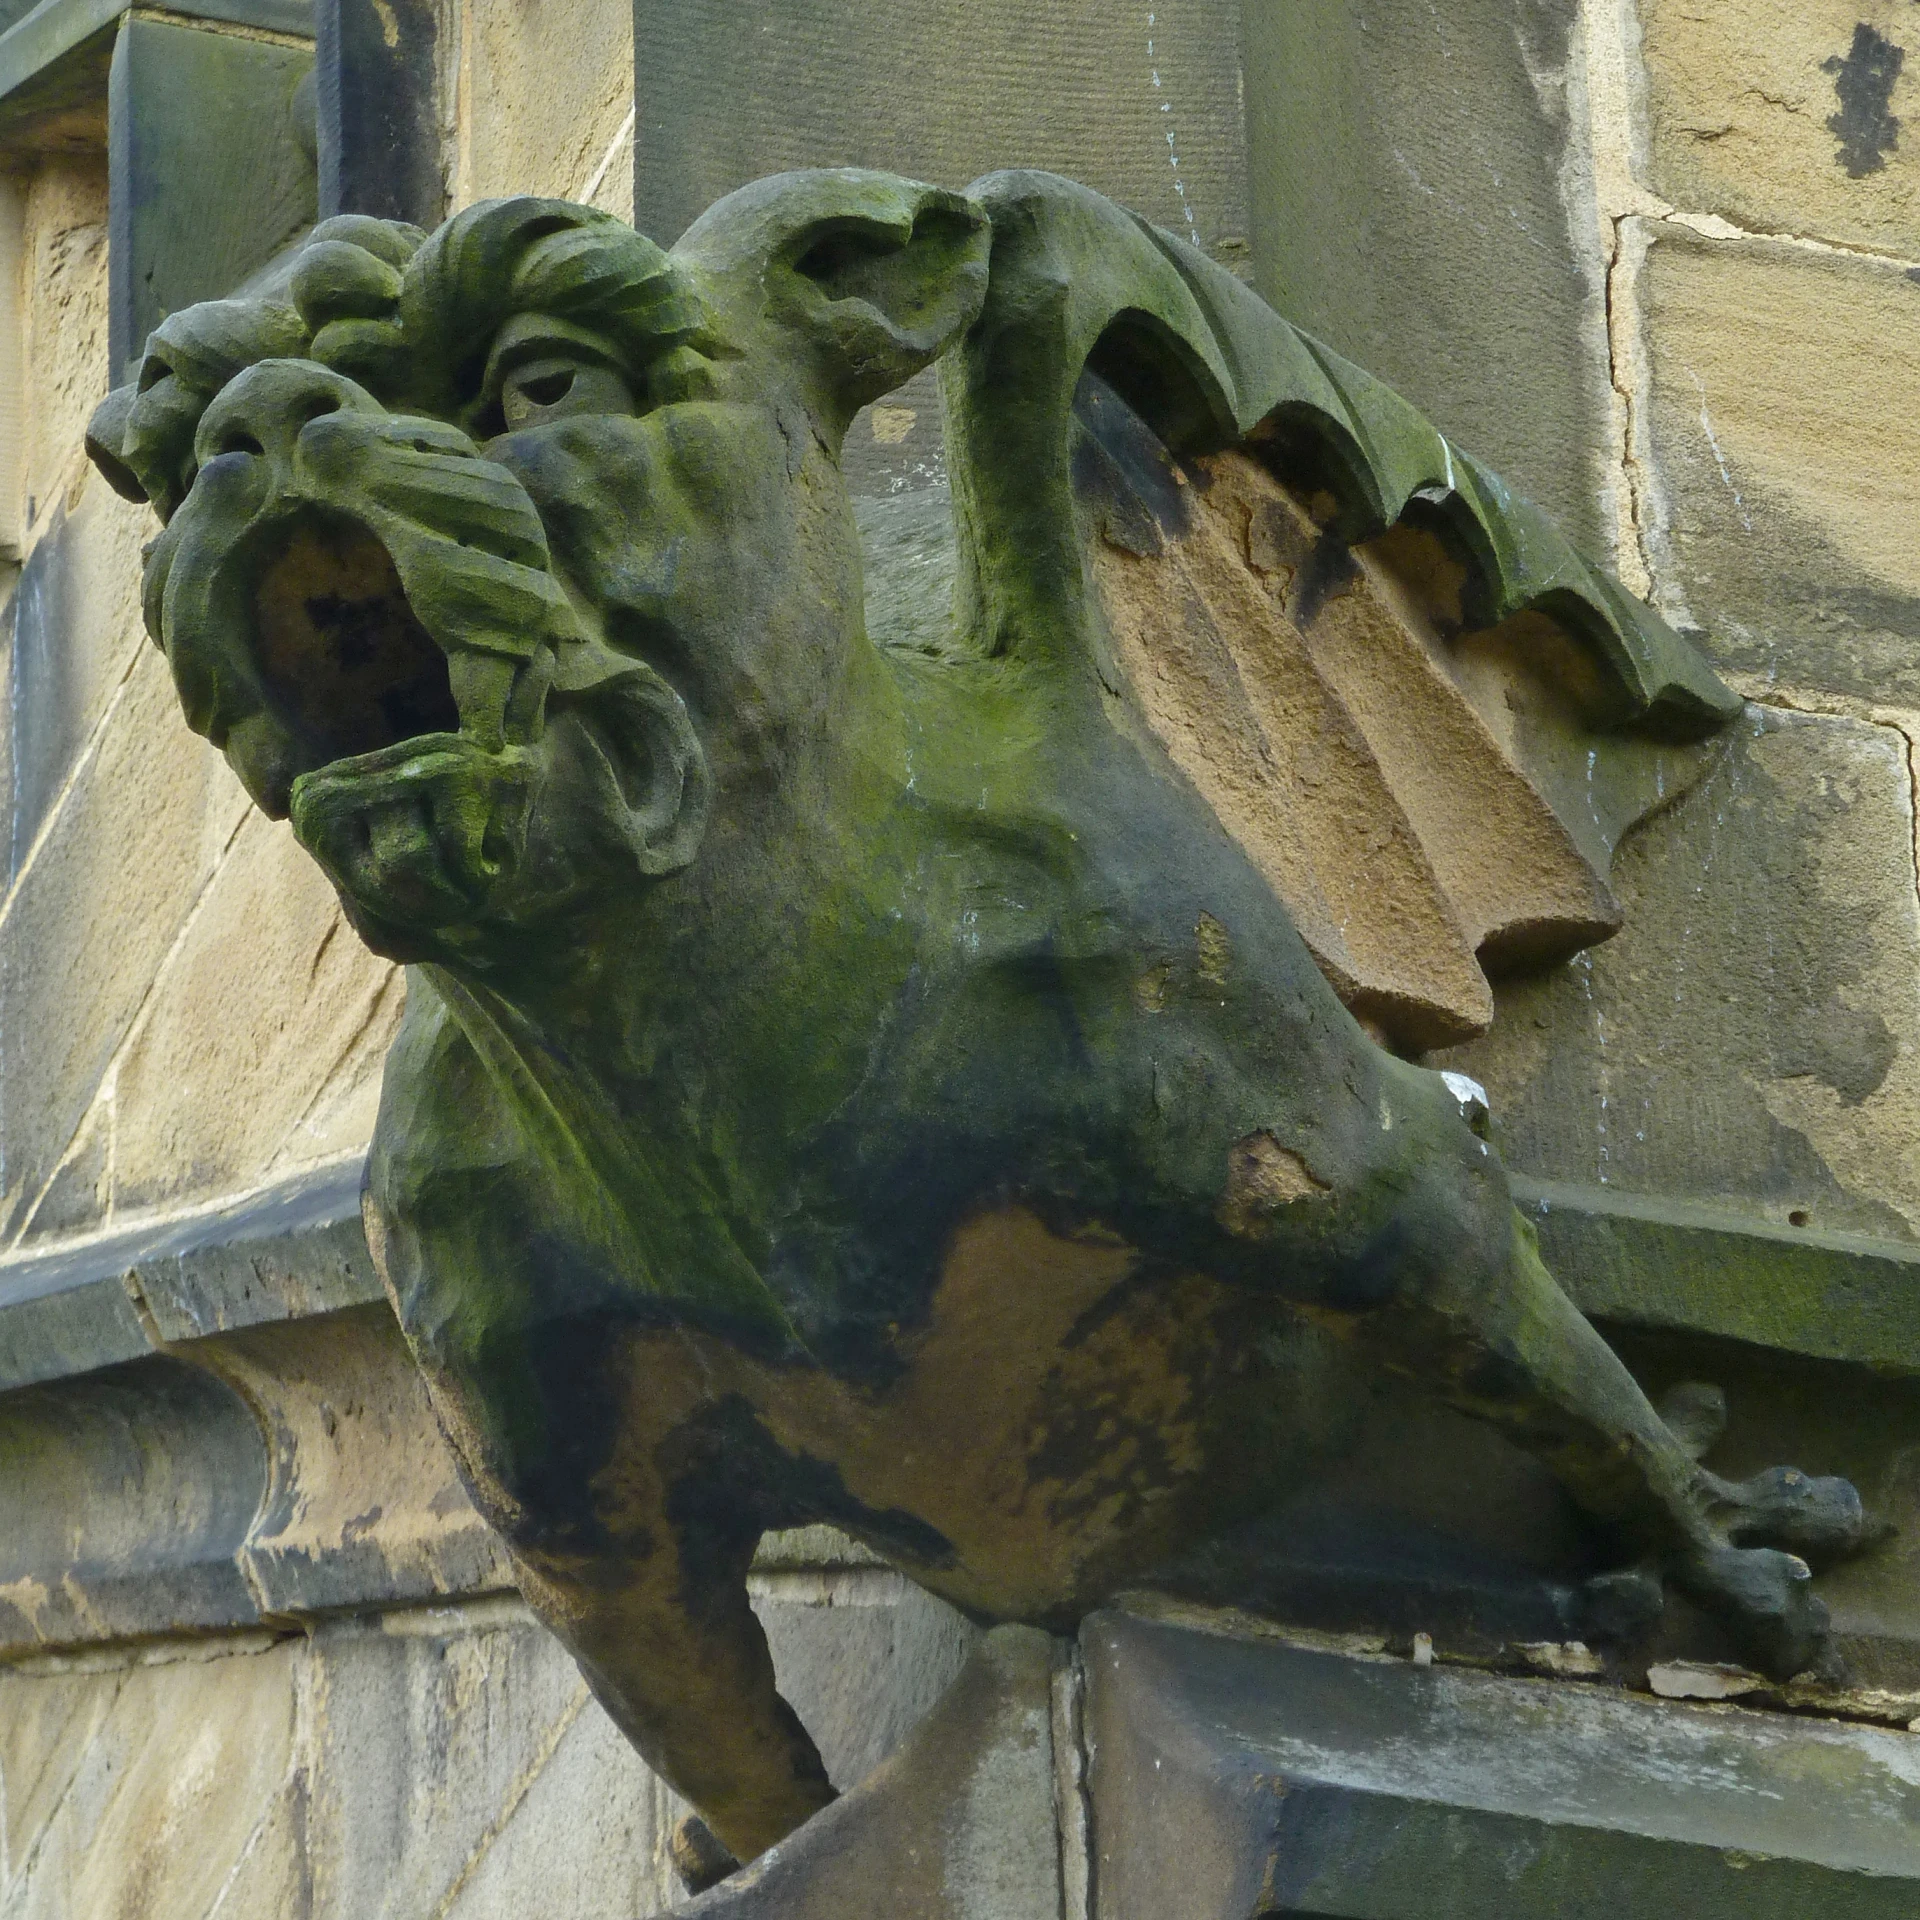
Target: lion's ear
[(860, 278), (645, 773)]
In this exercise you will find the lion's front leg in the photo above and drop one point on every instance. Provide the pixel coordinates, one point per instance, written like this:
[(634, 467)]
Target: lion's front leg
[(672, 1650), (1496, 1337), (597, 1448)]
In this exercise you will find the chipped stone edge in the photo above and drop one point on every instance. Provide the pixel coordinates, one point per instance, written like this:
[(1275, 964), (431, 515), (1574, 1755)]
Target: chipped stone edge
[(288, 1251)]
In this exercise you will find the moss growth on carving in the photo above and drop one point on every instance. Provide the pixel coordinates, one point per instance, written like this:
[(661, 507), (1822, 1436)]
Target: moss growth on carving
[(838, 1083)]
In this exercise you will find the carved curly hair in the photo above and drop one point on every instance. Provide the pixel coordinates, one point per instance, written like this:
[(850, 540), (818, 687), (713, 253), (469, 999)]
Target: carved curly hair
[(412, 319)]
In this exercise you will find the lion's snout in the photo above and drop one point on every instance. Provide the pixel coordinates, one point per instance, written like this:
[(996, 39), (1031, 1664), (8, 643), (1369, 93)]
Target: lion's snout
[(264, 411), (313, 601), (341, 578)]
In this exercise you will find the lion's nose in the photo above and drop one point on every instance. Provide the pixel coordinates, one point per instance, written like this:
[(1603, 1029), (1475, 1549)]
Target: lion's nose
[(265, 409)]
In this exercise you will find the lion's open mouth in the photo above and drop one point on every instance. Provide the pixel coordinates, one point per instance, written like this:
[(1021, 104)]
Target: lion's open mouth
[(390, 585), (342, 657)]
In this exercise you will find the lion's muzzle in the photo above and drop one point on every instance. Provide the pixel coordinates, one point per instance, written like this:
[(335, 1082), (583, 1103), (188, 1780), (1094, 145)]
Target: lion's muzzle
[(341, 579)]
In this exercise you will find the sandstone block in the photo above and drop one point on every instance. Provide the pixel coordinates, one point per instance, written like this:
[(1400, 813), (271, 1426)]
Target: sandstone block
[(90, 920), (64, 240), (1789, 459), (140, 1790), (427, 1730), (1751, 1038), (547, 91), (370, 1773), (450, 1760), (267, 1006), (570, 1846), (74, 624), (1788, 116), (1421, 201)]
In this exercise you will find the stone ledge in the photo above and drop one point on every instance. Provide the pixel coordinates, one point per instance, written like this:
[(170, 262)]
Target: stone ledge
[(1234, 1776), (215, 1422), (297, 1249), (284, 1252), (1645, 1261)]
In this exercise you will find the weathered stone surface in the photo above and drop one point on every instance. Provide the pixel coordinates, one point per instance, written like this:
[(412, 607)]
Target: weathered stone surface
[(201, 198), (1750, 1039), (547, 91), (75, 632), (443, 1761), (1144, 106), (125, 1501), (1420, 201), (351, 1775), (208, 1105), (136, 1791), (284, 1252), (362, 1502), (65, 314), (89, 921), (1786, 117), (290, 1470), (832, 1628), (1789, 460), (293, 1468), (1655, 1262), (1232, 1777), (959, 1825)]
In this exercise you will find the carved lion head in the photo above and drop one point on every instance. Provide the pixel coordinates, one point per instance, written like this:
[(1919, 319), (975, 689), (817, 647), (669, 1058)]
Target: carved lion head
[(528, 517)]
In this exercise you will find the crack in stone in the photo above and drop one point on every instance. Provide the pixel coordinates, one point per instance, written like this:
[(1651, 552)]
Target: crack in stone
[(510, 1805)]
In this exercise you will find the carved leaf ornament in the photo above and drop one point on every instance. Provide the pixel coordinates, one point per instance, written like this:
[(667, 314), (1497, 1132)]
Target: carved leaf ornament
[(1422, 714)]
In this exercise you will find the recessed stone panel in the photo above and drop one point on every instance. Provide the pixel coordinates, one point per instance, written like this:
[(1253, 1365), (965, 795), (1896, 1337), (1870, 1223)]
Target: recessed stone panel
[(1144, 103), (1752, 1036), (1422, 201)]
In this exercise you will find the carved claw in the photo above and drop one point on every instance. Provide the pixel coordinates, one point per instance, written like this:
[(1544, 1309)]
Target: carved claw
[(1823, 1519), (1619, 1605), (700, 1858), (1769, 1598)]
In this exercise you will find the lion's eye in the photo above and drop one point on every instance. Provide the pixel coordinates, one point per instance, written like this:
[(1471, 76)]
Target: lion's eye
[(549, 389)]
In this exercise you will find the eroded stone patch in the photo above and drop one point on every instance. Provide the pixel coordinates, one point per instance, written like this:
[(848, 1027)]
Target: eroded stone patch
[(1262, 1177)]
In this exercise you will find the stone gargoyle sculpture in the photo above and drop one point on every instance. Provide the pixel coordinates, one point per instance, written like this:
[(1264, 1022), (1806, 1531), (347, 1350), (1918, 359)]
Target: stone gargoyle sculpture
[(946, 1089)]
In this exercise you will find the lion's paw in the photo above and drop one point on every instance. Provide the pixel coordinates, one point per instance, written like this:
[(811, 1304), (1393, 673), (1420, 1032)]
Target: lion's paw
[(1783, 1507), (700, 1858)]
